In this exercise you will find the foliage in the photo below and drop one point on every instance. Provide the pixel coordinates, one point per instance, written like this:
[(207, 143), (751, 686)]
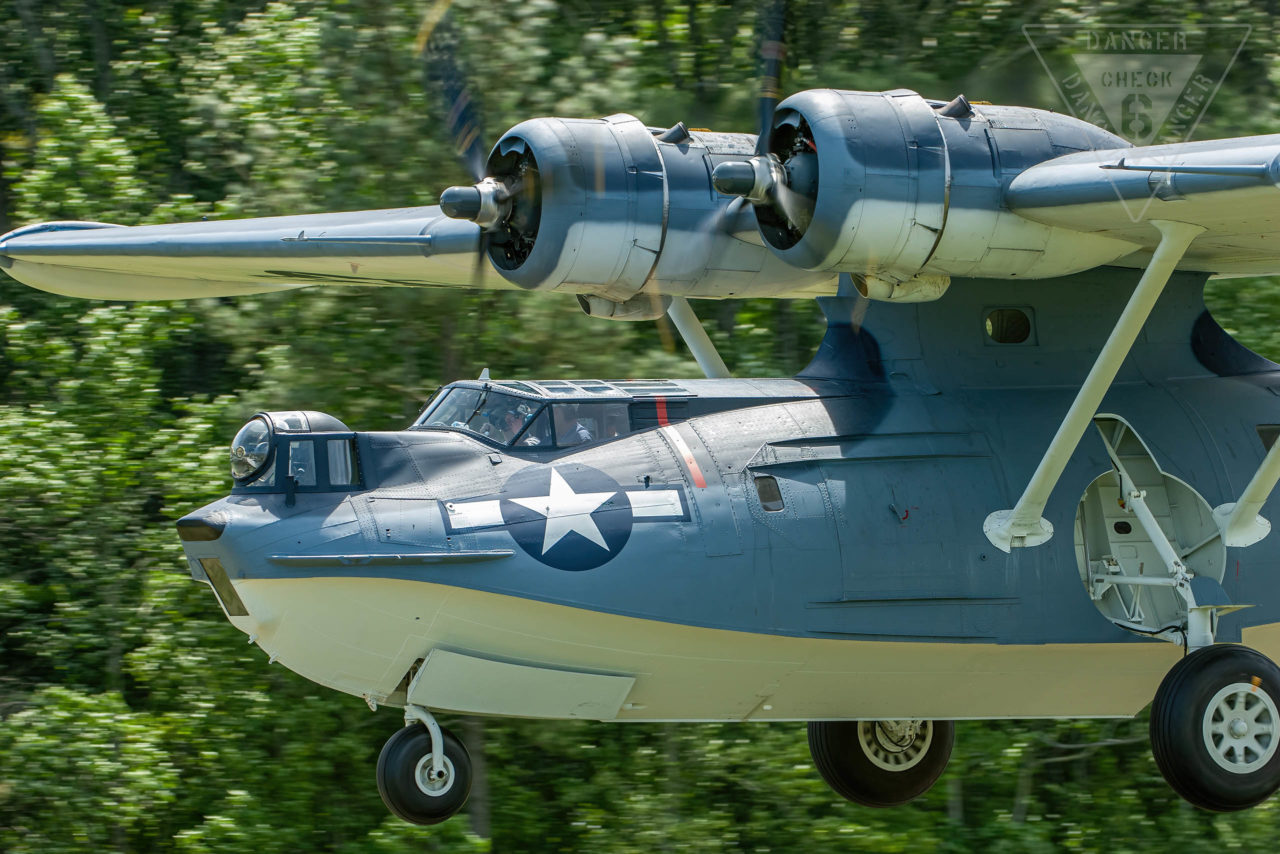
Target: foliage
[(134, 718)]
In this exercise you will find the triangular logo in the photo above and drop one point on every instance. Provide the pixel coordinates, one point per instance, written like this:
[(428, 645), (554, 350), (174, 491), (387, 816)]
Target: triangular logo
[(1136, 93), (1146, 84), (1149, 85)]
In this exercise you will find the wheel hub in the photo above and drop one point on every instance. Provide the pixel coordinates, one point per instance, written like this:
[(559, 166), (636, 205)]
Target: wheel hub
[(429, 781), (895, 745), (1239, 728)]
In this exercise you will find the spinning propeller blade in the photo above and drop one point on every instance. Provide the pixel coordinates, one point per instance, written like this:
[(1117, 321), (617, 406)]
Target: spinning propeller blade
[(773, 21), (437, 43), (782, 179)]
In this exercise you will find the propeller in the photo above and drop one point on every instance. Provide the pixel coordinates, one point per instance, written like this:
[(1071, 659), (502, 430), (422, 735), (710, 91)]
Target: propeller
[(773, 51), (437, 43), (781, 180)]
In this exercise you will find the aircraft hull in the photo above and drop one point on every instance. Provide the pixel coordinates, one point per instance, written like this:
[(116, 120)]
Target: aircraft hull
[(362, 635), (873, 593)]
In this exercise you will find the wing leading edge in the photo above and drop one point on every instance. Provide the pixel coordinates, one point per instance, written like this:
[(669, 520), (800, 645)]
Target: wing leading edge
[(405, 247)]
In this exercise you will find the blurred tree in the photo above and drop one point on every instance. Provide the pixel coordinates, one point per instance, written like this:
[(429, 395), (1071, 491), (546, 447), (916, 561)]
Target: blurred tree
[(134, 718)]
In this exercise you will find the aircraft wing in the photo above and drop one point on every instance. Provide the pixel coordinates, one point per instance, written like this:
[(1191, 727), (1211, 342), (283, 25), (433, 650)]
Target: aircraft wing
[(406, 247), (1230, 187)]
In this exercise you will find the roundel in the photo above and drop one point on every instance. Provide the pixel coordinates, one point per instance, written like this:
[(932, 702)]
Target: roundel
[(569, 517)]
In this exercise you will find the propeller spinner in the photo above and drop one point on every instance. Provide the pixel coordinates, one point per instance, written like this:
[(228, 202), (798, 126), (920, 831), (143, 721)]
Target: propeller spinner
[(782, 183)]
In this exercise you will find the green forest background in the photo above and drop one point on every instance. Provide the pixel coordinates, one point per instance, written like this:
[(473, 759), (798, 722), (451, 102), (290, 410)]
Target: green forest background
[(134, 718)]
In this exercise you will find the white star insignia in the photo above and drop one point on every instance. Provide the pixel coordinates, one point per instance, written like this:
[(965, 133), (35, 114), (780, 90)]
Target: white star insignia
[(567, 511)]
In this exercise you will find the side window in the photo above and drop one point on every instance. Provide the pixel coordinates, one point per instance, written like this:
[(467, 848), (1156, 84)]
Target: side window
[(770, 494), (302, 462), (1009, 326), (615, 420), (537, 434), (580, 423), (569, 428), (342, 462)]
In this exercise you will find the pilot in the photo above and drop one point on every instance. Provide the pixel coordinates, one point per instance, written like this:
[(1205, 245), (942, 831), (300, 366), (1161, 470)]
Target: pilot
[(512, 422), (491, 419), (569, 430)]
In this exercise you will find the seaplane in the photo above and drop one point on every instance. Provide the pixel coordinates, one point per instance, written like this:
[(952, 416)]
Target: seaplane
[(1024, 475)]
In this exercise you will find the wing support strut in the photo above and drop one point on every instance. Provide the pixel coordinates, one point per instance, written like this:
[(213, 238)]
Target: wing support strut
[(1239, 521), (696, 339), (1024, 525)]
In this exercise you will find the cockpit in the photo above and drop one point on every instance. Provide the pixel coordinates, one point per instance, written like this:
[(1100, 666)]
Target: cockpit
[(310, 452), (559, 414)]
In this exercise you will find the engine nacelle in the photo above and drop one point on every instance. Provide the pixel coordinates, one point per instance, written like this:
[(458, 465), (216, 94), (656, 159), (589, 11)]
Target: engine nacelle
[(586, 203), (892, 187), (608, 207), (881, 178)]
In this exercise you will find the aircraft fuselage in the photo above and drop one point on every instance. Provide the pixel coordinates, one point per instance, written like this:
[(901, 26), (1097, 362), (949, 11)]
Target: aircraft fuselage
[(803, 549)]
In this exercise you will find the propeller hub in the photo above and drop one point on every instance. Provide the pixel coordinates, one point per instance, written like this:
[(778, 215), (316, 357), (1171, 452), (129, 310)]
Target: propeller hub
[(755, 179), (486, 203)]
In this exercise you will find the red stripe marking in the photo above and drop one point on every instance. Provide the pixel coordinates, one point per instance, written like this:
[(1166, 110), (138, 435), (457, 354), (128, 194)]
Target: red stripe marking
[(695, 472), (662, 411), (683, 450)]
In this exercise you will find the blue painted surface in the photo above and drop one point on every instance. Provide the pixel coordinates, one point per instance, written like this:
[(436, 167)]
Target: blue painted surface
[(911, 429)]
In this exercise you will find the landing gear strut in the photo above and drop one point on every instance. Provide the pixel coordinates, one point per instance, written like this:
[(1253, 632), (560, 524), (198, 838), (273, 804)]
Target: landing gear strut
[(424, 771), (1215, 727), (881, 763)]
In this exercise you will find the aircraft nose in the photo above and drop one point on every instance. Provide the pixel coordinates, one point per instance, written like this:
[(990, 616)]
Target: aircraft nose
[(210, 557), (201, 528), (224, 589)]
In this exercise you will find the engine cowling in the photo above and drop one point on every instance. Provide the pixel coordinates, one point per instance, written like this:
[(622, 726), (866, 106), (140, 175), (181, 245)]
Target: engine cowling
[(903, 192), (880, 182), (578, 185), (610, 208)]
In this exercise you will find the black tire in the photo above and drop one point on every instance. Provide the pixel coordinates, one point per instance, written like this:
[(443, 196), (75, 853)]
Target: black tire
[(1198, 696), (398, 776), (840, 753)]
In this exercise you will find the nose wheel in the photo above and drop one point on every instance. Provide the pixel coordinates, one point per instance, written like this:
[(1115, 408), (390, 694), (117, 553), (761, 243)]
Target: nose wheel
[(881, 763), (1215, 727), (415, 785)]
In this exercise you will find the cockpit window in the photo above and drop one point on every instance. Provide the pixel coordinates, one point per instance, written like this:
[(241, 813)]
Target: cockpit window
[(342, 464), (538, 433), (302, 462), (580, 423), (521, 422), (483, 411)]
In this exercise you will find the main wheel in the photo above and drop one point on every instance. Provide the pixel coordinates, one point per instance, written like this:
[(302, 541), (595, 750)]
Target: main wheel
[(1215, 727), (406, 780), (881, 763)]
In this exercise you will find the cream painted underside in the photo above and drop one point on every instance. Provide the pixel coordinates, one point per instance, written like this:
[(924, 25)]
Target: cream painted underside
[(362, 636)]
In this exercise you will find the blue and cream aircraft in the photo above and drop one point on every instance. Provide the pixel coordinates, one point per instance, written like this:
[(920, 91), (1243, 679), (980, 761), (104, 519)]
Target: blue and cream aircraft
[(1027, 483)]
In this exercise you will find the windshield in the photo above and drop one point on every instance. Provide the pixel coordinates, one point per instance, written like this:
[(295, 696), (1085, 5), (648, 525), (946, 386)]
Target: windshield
[(496, 416)]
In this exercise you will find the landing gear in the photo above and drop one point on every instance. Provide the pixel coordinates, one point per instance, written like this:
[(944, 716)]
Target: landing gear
[(415, 784), (881, 763), (1215, 727)]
